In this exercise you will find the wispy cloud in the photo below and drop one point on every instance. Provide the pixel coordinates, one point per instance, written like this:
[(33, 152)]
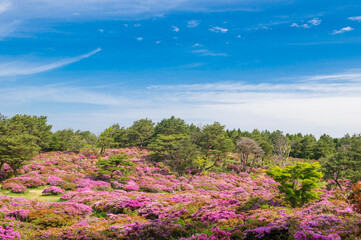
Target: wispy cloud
[(58, 94), (19, 67), (313, 104), (317, 106), (81, 9), (343, 30), (351, 76), (300, 25), (139, 39), (356, 18), (308, 24), (315, 21), (7, 28), (218, 30), (207, 52), (5, 6), (175, 29), (193, 23)]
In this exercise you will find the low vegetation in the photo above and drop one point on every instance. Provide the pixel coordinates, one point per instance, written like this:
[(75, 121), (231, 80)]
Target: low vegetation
[(172, 180)]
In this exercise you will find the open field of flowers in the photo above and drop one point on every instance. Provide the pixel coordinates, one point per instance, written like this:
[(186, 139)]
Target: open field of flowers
[(62, 196)]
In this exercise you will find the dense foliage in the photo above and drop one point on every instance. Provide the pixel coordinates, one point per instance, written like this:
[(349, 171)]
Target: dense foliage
[(297, 182), (150, 202), (172, 180)]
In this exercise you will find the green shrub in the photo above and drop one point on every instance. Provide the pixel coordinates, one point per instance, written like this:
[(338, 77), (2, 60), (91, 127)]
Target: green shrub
[(45, 218), (114, 165), (297, 182), (69, 186)]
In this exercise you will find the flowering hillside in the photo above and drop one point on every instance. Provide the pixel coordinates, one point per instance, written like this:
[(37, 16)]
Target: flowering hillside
[(145, 200)]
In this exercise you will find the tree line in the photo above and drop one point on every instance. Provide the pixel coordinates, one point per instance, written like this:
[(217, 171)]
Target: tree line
[(182, 146)]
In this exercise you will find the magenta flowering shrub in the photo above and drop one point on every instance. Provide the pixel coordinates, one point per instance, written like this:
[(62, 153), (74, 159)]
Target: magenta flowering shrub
[(116, 185), (8, 233), (72, 209), (268, 232), (83, 190), (131, 186), (20, 214), (150, 202), (55, 181), (119, 204), (156, 229), (95, 185), (14, 187), (29, 182), (52, 191)]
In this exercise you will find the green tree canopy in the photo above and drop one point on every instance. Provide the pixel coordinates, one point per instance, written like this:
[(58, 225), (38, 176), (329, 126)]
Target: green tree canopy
[(114, 165), (164, 144), (35, 126), (214, 141), (17, 145), (325, 147), (298, 182), (68, 140), (140, 132), (106, 139), (346, 163), (172, 125)]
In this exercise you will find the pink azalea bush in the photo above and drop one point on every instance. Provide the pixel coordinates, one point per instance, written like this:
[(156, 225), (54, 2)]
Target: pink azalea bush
[(148, 201), (55, 181), (131, 186), (91, 184), (52, 191), (14, 187), (8, 233)]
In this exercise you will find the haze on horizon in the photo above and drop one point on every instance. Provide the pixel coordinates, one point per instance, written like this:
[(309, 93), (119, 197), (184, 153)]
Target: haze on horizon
[(290, 65)]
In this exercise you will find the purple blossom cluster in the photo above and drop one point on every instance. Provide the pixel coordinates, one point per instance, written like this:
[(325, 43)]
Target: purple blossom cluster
[(55, 181), (91, 184), (8, 233), (54, 190), (14, 187), (150, 202)]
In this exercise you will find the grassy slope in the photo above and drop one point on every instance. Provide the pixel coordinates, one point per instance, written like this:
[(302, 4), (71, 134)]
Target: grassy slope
[(33, 193)]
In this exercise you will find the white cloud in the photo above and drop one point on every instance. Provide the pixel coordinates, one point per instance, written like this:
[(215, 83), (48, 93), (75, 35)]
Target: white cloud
[(356, 18), (314, 104), (300, 25), (193, 23), (139, 39), (47, 13), (207, 52), (342, 30), (5, 6), (310, 23), (101, 9), (310, 107), (315, 21), (218, 30), (8, 28), (158, 42), (19, 67), (175, 29), (58, 94)]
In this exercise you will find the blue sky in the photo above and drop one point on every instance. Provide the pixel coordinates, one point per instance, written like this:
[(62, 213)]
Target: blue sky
[(86, 64)]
